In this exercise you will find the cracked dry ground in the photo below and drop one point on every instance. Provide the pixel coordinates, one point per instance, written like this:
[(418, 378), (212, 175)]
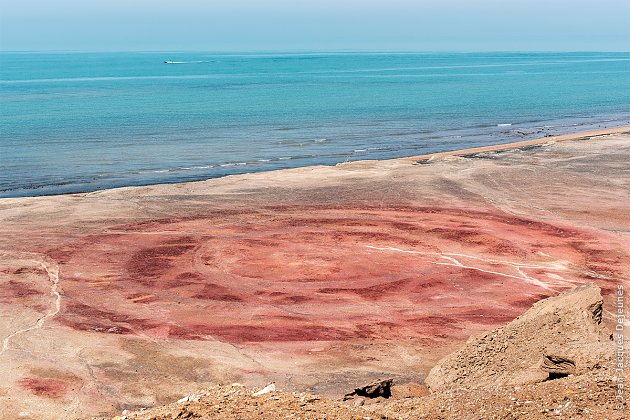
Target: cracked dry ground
[(319, 279)]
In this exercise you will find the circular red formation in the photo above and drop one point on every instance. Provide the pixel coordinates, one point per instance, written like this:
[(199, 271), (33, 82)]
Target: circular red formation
[(311, 273)]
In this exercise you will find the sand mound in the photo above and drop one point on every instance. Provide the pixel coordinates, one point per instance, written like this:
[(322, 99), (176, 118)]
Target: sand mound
[(558, 336)]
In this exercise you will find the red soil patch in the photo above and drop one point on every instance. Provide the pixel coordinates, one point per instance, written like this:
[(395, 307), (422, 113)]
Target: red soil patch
[(213, 291), (24, 270), (18, 289), (87, 318), (268, 333), (318, 273), (45, 387)]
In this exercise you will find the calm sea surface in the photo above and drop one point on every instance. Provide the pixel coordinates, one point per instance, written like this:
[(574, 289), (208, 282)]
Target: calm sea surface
[(73, 122)]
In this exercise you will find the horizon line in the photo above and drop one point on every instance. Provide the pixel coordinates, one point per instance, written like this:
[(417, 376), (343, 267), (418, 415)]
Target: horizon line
[(313, 51)]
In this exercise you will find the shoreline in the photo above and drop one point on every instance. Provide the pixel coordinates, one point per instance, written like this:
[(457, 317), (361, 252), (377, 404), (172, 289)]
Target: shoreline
[(317, 279), (520, 144), (415, 159)]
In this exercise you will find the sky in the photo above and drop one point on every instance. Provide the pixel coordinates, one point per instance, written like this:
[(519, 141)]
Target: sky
[(322, 25)]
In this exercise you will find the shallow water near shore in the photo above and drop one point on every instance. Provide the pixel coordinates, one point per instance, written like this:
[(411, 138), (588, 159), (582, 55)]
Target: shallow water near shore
[(74, 122)]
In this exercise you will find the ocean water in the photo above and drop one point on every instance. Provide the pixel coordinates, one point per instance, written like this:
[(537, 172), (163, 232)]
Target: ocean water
[(75, 122)]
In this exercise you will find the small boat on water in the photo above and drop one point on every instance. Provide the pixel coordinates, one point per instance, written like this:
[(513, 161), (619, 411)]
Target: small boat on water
[(183, 62)]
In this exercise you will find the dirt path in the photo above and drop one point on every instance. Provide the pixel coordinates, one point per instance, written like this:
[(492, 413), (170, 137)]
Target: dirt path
[(557, 266), (52, 269)]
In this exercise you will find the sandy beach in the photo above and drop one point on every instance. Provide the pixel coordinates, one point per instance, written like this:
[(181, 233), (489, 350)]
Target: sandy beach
[(317, 278)]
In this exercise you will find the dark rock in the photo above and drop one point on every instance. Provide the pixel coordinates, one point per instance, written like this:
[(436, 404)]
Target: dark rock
[(373, 390), (596, 310)]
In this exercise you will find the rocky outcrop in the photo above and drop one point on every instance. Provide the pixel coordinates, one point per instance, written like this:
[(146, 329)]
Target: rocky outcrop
[(557, 365), (376, 389), (558, 336)]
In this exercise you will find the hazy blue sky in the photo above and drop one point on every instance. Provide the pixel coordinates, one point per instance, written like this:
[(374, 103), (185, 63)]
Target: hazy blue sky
[(250, 25)]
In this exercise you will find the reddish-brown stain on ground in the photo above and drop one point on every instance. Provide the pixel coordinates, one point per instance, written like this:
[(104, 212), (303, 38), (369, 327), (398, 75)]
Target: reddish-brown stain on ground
[(45, 387), (18, 289), (323, 273)]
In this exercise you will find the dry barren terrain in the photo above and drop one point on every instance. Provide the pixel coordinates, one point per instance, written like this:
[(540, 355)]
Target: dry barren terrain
[(319, 279)]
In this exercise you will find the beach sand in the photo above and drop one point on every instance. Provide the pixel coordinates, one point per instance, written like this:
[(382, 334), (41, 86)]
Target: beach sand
[(317, 278)]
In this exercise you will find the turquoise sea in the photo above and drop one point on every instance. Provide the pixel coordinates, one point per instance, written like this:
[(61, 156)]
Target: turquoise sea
[(72, 122)]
